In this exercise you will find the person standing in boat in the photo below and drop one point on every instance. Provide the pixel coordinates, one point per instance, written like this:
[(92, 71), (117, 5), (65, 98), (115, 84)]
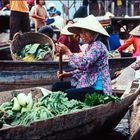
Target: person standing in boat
[(19, 17), (133, 40), (39, 14), (91, 71)]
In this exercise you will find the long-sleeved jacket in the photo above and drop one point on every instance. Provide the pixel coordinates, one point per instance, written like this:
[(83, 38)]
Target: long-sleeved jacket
[(90, 66), (136, 44)]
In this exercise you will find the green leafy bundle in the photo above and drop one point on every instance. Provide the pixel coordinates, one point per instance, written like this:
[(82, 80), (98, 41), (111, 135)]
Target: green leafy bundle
[(96, 99), (23, 109), (50, 105), (37, 51)]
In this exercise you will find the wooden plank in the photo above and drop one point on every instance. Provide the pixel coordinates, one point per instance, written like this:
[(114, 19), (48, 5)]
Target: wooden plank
[(4, 44)]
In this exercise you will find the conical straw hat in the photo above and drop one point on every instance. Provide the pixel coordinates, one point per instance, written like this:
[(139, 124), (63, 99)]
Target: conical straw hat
[(65, 30), (135, 31), (90, 23)]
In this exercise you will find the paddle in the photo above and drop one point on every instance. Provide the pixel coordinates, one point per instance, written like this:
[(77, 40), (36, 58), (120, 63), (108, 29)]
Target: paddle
[(60, 64), (60, 61)]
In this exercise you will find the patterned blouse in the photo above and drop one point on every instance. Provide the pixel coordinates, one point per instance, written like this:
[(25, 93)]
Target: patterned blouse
[(90, 66)]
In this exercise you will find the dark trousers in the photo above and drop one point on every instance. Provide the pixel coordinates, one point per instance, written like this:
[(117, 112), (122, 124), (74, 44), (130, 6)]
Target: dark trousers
[(73, 92), (19, 21)]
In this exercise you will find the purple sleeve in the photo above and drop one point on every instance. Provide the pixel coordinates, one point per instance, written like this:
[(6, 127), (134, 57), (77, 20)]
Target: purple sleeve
[(88, 59)]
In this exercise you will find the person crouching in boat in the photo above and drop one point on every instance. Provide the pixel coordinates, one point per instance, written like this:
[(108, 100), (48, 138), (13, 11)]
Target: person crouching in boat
[(91, 72), (70, 40), (133, 40)]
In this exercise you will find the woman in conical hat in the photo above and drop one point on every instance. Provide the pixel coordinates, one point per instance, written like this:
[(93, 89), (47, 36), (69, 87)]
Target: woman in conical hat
[(69, 39), (91, 71), (133, 40)]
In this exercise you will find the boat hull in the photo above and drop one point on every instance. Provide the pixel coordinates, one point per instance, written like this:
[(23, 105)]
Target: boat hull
[(134, 120), (20, 74), (103, 117)]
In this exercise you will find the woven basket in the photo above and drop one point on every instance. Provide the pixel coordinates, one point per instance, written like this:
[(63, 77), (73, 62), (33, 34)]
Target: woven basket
[(21, 40)]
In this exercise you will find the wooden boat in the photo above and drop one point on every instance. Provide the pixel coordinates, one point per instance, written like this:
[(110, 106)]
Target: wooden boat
[(4, 20), (99, 118), (5, 52), (119, 22), (28, 74), (134, 120), (136, 135), (20, 74), (4, 44)]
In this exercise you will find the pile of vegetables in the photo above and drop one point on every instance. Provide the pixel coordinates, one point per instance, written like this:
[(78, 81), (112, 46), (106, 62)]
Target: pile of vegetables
[(114, 54), (23, 109), (96, 99), (32, 52)]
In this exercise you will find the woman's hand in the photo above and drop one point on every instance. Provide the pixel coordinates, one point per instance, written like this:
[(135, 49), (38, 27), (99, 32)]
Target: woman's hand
[(63, 75), (117, 73), (116, 51), (63, 48)]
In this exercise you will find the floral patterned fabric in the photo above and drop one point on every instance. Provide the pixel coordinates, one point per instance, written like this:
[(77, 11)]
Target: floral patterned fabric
[(92, 64)]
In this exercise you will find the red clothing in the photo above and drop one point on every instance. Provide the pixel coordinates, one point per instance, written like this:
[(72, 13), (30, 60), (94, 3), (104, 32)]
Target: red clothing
[(136, 43), (71, 42)]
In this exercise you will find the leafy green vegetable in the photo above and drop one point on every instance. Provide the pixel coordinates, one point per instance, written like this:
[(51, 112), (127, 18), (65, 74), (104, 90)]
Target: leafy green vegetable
[(114, 54), (96, 99), (33, 48), (50, 105), (38, 51)]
